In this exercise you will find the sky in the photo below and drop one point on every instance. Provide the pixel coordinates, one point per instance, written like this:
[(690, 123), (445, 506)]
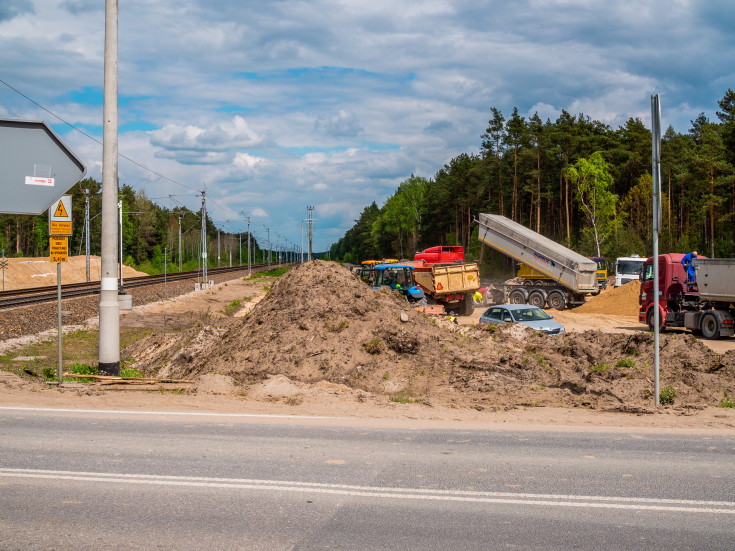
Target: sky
[(274, 106)]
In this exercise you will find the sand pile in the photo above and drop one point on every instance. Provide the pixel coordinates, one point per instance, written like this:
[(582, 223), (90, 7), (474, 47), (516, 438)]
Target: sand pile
[(23, 273), (318, 324), (619, 301)]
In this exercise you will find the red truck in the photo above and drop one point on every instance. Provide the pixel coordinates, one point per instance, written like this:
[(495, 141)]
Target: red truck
[(706, 308), (441, 255)]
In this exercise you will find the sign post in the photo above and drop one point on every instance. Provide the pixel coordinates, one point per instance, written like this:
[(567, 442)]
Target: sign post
[(59, 230)]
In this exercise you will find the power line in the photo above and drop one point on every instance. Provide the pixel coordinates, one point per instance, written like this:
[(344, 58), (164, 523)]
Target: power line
[(136, 163)]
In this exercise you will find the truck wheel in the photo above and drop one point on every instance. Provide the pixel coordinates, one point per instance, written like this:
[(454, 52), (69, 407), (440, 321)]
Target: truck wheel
[(650, 321), (464, 307), (556, 300), (710, 326), (536, 298), (517, 297)]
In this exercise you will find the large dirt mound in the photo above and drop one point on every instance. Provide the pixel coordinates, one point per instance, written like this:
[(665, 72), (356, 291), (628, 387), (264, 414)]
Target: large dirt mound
[(319, 323), (618, 301)]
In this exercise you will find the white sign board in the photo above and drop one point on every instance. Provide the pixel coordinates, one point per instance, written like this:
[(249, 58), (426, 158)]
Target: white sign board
[(36, 168)]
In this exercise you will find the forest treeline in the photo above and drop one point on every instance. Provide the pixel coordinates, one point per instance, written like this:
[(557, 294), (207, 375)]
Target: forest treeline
[(149, 232), (574, 180)]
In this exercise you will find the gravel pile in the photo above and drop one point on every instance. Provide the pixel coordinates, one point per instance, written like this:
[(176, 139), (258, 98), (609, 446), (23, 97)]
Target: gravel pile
[(32, 319)]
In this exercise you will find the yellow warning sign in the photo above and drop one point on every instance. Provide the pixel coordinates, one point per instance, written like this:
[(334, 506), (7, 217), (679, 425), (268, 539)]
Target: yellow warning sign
[(61, 211), (59, 228), (59, 217), (58, 249)]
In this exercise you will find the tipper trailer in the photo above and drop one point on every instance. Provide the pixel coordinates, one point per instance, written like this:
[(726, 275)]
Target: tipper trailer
[(706, 307), (570, 275)]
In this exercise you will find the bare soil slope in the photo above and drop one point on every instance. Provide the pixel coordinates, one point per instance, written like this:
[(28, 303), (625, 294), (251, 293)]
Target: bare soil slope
[(319, 324), (23, 273)]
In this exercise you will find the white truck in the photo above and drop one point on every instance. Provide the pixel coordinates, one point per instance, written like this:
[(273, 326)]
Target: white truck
[(569, 275), (627, 269)]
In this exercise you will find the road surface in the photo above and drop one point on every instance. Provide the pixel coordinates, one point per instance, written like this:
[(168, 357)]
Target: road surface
[(163, 480)]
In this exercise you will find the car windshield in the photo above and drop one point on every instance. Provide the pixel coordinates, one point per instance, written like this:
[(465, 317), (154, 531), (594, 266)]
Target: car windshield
[(630, 266), (530, 314)]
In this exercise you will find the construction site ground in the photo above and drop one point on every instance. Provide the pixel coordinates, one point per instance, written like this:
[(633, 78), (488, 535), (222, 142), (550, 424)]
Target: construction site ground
[(319, 342)]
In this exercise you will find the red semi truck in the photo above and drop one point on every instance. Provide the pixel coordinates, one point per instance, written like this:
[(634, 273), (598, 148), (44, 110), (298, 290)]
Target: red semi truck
[(706, 308)]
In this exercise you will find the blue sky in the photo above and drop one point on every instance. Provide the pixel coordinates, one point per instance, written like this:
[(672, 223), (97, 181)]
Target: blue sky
[(274, 106)]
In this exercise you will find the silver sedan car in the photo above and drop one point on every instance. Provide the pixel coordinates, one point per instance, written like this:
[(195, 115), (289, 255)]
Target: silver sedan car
[(533, 317)]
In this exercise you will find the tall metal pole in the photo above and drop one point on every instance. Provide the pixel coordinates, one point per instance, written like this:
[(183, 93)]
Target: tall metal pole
[(86, 231), (179, 218), (109, 325), (218, 251), (248, 246), (205, 280), (656, 194)]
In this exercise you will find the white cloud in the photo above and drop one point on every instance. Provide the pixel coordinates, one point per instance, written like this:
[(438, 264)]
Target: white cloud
[(273, 106)]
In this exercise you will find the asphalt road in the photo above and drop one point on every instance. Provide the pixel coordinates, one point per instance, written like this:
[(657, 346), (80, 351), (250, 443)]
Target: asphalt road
[(87, 480)]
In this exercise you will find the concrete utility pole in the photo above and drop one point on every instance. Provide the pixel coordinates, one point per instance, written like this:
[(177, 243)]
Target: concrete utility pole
[(204, 241), (109, 324), (268, 231), (310, 209), (219, 255), (179, 219)]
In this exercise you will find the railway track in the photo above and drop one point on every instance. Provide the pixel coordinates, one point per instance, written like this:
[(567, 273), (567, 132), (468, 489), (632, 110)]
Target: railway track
[(33, 295)]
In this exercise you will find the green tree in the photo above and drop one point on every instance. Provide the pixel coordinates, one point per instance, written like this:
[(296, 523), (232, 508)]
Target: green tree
[(593, 182)]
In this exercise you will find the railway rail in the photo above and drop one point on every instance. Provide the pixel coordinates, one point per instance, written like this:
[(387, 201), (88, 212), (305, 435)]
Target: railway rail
[(32, 295)]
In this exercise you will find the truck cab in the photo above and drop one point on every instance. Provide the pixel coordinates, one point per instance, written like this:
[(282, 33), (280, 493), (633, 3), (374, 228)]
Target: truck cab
[(627, 269), (441, 255), (602, 269), (397, 276)]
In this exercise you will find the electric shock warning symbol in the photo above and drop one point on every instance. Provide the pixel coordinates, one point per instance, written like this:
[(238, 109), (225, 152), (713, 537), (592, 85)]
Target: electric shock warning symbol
[(61, 211)]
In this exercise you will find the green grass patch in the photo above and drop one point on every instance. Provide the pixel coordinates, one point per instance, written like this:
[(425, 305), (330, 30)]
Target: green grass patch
[(726, 402), (599, 368), (667, 395), (232, 307), (402, 399), (625, 362)]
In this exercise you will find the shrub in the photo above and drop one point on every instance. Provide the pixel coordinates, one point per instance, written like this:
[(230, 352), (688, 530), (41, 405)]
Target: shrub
[(666, 396)]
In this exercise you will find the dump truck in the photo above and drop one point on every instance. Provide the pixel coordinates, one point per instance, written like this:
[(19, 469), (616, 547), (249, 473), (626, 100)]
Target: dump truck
[(567, 276), (451, 254), (706, 307), (451, 285)]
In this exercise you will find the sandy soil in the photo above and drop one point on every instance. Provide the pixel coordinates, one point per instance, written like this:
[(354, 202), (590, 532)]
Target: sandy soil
[(319, 342), (22, 273)]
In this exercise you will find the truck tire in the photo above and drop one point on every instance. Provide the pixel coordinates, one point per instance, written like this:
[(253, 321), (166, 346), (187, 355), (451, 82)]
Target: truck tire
[(517, 296), (464, 307), (649, 320), (710, 326), (537, 298), (556, 300)]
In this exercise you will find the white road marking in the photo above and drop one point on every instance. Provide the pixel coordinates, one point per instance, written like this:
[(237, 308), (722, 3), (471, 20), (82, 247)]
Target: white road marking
[(554, 500), (190, 413)]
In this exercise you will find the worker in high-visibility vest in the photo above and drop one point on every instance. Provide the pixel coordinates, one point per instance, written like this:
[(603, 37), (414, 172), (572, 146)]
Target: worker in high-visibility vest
[(477, 297)]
